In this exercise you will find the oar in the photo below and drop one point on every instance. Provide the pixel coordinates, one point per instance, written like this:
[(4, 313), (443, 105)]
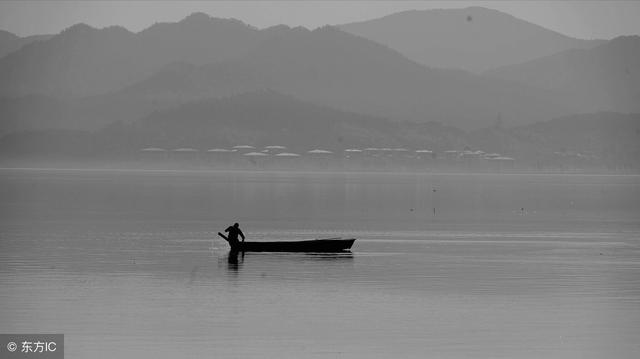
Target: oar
[(223, 236), (233, 248)]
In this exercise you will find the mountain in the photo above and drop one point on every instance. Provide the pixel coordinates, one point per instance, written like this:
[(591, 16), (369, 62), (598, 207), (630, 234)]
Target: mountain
[(84, 61), (260, 118), (604, 139), (267, 117), (10, 42), (601, 133), (606, 77), (333, 68), (474, 39), (595, 141), (34, 112), (112, 74)]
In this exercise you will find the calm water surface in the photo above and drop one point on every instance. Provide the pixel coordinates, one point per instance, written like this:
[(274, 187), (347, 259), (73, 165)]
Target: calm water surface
[(127, 265)]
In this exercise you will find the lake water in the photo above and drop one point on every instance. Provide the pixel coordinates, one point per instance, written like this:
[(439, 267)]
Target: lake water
[(127, 264)]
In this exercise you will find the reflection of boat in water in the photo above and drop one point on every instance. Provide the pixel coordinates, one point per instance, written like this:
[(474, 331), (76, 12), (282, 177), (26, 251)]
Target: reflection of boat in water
[(328, 245), (263, 264)]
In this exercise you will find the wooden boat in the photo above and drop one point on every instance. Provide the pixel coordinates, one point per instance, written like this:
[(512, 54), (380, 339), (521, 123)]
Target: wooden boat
[(328, 245)]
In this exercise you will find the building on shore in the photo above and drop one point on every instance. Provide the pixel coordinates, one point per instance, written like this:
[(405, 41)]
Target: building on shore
[(320, 159), (425, 159), (274, 149), (353, 159), (153, 154), (287, 160), (220, 157), (242, 149), (185, 155), (256, 159)]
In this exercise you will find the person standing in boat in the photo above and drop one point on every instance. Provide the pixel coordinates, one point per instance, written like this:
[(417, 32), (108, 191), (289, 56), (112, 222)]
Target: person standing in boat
[(234, 231)]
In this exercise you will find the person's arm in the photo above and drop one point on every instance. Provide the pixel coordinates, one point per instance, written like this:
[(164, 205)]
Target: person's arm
[(241, 234)]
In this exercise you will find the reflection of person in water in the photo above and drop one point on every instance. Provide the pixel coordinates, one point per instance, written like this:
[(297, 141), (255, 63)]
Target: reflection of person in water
[(234, 260), (234, 231)]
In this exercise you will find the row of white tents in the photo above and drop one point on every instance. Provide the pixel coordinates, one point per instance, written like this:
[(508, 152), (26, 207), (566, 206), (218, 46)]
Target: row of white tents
[(245, 156), (280, 151), (277, 150), (227, 151)]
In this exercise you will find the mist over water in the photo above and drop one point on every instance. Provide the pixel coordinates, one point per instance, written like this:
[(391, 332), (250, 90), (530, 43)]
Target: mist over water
[(510, 266)]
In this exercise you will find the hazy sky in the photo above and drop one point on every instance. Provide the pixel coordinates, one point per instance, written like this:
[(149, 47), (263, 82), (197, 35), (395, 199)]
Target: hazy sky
[(582, 19)]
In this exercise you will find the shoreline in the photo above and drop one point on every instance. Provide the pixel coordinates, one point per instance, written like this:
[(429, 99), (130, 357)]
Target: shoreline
[(145, 168)]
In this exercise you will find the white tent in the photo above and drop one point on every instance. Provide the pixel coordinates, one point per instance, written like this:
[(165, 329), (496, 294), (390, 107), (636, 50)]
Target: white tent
[(319, 152)]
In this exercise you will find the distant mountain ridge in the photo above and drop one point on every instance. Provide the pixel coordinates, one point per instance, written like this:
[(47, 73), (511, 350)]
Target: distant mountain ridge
[(267, 117), (259, 118), (330, 67), (326, 66), (33, 112), (597, 141), (606, 138), (111, 74), (606, 77), (474, 38), (10, 42), (83, 61)]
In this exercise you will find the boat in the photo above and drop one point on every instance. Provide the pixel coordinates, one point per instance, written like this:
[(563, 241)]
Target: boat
[(328, 245)]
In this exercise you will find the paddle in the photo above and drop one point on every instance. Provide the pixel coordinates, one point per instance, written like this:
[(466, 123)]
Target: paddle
[(225, 237)]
